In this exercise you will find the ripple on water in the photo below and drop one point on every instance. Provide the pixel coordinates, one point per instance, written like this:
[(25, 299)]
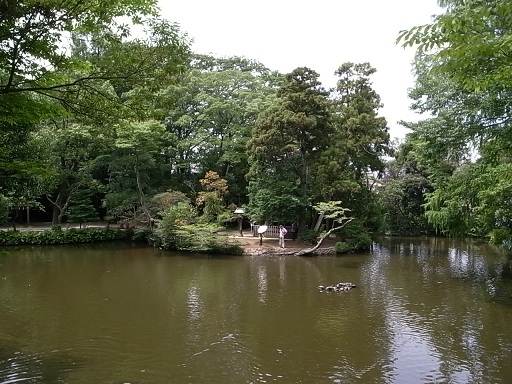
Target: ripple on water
[(41, 367), (226, 356)]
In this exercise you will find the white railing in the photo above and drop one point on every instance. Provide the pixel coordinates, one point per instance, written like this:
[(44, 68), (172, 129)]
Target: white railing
[(272, 231)]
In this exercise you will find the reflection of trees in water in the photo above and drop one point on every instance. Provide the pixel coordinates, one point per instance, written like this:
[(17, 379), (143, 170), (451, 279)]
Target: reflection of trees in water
[(470, 260), (262, 283), (433, 288), (497, 286), (490, 269), (416, 313), (396, 291)]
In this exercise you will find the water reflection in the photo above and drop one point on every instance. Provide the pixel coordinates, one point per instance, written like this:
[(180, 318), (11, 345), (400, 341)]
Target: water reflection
[(262, 283), (446, 328), (424, 310), (50, 367), (194, 305)]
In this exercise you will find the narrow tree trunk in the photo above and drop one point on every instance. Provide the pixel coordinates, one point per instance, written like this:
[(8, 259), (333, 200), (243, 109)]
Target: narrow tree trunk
[(61, 203)]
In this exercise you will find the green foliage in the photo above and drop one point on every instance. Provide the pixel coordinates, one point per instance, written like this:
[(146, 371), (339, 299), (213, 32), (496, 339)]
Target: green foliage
[(274, 200), (67, 73), (463, 81), (501, 237), (402, 202), (402, 192), (33, 42), (70, 150), (450, 207), (173, 217), (309, 147), (69, 236), (204, 238), (135, 169), (212, 207), (348, 168), (308, 236), (209, 115), (211, 201), (475, 201), (87, 104), (23, 174), (4, 209), (342, 247), (287, 138), (179, 229), (81, 209), (461, 120), (354, 238), (332, 210), (472, 39), (166, 200), (353, 232)]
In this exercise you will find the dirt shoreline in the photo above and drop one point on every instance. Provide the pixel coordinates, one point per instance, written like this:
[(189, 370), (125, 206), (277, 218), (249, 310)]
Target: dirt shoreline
[(270, 246), (250, 244)]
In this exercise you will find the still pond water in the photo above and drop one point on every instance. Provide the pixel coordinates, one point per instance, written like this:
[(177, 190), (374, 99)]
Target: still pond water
[(424, 311)]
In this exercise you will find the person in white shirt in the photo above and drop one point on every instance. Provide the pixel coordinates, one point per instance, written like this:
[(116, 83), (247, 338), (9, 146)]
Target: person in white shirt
[(282, 233)]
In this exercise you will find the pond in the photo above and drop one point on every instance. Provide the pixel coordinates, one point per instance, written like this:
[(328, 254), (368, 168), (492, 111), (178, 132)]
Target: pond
[(425, 310)]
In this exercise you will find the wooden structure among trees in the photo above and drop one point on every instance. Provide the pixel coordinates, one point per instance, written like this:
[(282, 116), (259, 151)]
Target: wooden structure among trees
[(272, 231)]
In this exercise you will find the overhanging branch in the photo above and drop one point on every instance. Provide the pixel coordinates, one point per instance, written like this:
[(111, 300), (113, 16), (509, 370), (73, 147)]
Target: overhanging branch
[(321, 240)]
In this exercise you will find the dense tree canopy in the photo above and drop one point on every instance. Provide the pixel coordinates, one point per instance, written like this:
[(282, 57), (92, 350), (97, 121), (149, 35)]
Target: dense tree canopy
[(105, 113), (287, 139), (209, 114), (64, 64), (347, 169), (463, 82), (472, 41), (34, 54)]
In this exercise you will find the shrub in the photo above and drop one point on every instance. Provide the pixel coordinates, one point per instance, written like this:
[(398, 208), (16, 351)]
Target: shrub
[(343, 247), (501, 237), (354, 238), (180, 229), (308, 236), (198, 237), (70, 236)]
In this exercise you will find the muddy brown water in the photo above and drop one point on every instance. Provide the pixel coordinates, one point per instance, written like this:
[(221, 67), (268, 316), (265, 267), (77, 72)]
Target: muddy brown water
[(424, 311)]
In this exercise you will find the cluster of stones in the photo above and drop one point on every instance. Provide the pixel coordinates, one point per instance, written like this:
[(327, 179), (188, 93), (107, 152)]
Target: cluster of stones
[(340, 287)]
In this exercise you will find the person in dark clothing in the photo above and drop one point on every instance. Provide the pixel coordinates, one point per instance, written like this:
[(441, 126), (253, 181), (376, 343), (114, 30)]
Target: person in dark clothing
[(295, 230)]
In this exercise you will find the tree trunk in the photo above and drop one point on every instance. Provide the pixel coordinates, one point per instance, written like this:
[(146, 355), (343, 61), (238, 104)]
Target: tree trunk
[(61, 203)]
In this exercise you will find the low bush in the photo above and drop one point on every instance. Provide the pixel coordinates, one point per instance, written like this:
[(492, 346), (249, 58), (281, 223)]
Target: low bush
[(501, 237), (200, 238), (308, 236), (354, 238), (180, 230), (69, 236), (343, 247)]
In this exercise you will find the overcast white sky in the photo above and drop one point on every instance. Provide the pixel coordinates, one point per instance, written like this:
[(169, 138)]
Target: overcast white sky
[(321, 35)]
